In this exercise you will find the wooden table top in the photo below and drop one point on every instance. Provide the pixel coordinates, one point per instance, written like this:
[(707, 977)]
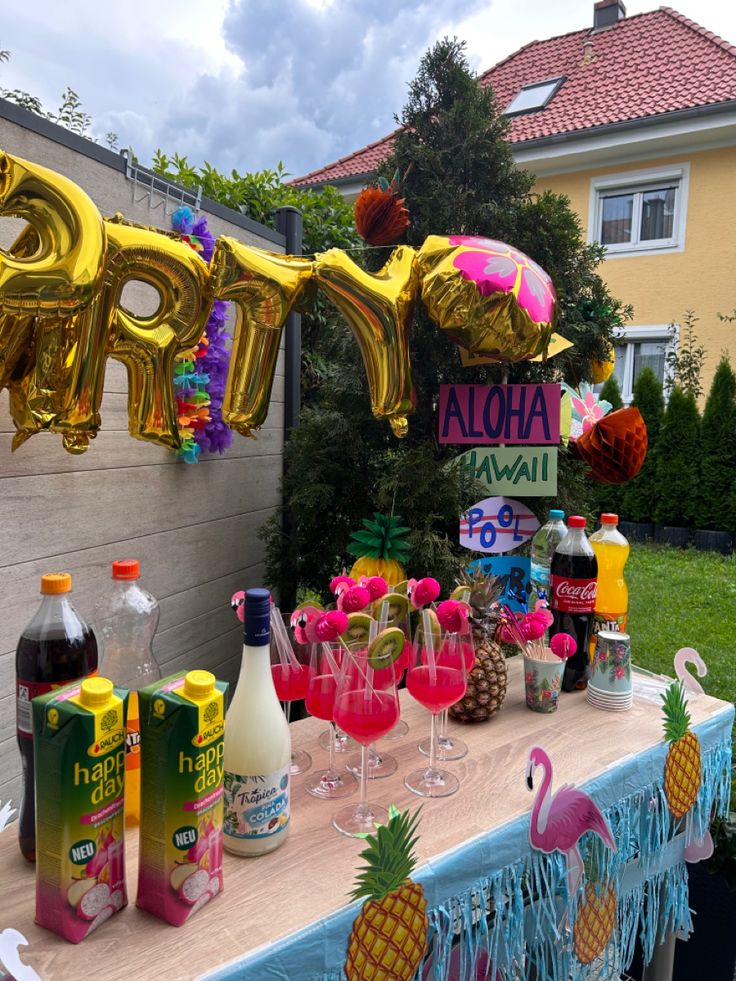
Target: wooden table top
[(310, 876)]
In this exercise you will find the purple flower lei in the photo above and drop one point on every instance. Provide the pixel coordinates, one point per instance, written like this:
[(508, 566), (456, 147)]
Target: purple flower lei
[(208, 382)]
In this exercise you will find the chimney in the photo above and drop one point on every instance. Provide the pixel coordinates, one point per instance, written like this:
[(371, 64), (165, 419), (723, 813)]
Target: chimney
[(606, 13)]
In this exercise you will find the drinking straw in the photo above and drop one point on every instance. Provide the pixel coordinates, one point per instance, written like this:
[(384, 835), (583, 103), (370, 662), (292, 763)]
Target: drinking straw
[(383, 617), (287, 657), (429, 645)]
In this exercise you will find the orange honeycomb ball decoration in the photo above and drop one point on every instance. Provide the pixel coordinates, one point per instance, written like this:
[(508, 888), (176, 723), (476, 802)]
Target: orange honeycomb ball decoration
[(615, 447)]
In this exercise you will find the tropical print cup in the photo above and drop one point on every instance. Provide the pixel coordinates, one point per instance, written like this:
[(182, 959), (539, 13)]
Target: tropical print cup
[(542, 681)]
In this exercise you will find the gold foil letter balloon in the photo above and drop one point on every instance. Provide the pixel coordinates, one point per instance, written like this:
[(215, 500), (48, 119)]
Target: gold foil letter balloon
[(48, 279), (378, 308), (62, 273), (490, 298), (147, 345), (264, 287)]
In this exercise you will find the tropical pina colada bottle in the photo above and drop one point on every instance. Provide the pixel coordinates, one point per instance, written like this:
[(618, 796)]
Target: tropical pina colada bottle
[(257, 745)]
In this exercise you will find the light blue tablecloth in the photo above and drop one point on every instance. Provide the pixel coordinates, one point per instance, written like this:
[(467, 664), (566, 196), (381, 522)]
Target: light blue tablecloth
[(528, 891)]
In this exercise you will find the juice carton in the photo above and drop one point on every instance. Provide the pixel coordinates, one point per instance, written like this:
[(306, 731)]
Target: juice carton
[(79, 755), (182, 721)]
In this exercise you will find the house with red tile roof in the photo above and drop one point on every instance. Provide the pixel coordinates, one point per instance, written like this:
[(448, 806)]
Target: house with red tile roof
[(634, 118)]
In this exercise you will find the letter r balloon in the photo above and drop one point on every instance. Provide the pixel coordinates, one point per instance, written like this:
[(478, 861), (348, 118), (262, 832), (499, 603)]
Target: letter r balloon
[(147, 345)]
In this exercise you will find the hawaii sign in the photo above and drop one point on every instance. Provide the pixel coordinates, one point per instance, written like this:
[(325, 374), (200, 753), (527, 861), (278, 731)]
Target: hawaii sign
[(497, 524), (530, 471)]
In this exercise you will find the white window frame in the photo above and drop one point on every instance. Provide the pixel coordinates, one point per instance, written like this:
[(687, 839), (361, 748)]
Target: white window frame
[(631, 182), (650, 333)]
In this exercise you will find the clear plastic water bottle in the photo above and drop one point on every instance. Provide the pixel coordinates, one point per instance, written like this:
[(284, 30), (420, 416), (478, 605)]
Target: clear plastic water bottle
[(125, 622), (544, 544)]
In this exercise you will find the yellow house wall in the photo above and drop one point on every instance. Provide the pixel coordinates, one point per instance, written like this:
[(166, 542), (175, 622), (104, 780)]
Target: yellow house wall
[(702, 277)]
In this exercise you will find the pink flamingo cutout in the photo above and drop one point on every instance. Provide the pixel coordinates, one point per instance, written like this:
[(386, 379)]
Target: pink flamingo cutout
[(688, 655), (560, 820)]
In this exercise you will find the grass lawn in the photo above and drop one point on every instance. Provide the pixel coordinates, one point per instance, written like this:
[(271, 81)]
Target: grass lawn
[(680, 599)]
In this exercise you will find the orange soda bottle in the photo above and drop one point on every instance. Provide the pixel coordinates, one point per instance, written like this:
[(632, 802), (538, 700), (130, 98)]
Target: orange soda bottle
[(612, 599)]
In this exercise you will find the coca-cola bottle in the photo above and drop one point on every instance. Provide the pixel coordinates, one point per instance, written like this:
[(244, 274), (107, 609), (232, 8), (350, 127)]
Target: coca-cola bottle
[(573, 584)]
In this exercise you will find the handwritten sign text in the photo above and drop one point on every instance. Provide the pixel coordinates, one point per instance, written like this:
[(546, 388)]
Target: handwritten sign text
[(492, 414)]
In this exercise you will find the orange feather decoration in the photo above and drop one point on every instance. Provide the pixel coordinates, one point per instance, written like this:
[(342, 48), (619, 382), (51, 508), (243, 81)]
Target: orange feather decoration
[(380, 216)]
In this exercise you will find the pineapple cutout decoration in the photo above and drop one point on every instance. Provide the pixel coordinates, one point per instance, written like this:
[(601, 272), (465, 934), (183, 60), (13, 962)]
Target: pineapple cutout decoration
[(389, 935), (380, 215), (595, 918), (682, 768), (487, 679), (381, 547)]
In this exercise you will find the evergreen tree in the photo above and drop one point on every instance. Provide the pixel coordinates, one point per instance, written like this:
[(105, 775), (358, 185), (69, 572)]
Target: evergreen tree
[(640, 494), (718, 452), (677, 460), (457, 175), (612, 393)]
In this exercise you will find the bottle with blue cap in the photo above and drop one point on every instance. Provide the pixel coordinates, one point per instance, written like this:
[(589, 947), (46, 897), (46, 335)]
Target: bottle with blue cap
[(257, 759), (544, 544)]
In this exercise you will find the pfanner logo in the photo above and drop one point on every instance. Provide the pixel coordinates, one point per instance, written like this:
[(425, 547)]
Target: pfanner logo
[(209, 735), (107, 743)]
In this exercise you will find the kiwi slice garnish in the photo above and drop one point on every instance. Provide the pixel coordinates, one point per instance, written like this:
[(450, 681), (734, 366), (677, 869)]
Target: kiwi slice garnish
[(398, 607), (359, 626), (435, 629), (401, 588), (460, 593), (386, 648)]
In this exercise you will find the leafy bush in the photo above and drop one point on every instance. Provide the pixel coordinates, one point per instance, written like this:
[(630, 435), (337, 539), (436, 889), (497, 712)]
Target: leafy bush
[(612, 393), (685, 362), (677, 454), (718, 453)]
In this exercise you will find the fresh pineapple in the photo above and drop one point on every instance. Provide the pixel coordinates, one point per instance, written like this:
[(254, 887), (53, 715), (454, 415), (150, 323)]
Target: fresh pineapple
[(594, 921), (488, 677), (389, 935), (682, 769)]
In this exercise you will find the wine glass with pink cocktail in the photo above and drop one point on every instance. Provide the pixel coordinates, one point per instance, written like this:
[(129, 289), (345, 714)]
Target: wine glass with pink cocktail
[(324, 674), (367, 707), (437, 679), (290, 673)]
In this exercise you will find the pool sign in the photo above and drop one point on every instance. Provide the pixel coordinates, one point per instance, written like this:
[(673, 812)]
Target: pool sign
[(497, 524), (493, 414), (514, 571), (530, 471)]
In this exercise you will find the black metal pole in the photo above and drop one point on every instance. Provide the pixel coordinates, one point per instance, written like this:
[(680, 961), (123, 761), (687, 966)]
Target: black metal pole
[(289, 223)]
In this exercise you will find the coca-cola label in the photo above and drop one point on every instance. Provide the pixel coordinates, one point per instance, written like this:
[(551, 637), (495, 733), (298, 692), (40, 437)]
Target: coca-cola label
[(573, 595)]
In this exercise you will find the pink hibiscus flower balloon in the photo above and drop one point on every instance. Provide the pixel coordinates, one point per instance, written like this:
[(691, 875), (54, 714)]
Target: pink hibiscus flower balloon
[(489, 297)]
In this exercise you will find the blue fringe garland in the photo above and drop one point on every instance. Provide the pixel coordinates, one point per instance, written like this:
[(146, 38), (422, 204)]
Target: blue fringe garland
[(528, 898)]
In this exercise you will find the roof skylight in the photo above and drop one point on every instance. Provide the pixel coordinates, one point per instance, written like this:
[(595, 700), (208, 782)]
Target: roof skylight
[(530, 98)]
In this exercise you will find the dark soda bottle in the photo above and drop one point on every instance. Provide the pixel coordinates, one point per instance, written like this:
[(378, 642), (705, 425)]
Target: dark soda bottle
[(55, 648), (573, 586)]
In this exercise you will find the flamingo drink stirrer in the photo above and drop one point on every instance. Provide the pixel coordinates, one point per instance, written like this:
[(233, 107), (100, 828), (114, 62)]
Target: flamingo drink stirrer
[(560, 820)]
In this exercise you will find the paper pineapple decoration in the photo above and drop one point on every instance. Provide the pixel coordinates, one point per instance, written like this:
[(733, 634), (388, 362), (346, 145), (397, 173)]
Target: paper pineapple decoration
[(380, 215), (682, 768), (594, 921), (487, 679), (389, 935), (615, 447), (381, 547)]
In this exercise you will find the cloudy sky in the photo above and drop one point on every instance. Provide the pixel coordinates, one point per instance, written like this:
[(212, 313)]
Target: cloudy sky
[(246, 83)]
